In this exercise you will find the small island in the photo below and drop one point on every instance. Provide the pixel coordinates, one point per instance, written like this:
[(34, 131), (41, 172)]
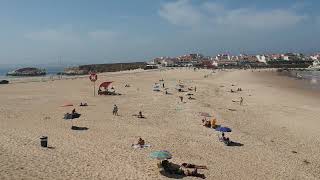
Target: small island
[(29, 71)]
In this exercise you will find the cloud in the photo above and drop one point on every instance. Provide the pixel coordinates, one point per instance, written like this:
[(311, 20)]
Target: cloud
[(212, 14), (181, 13), (251, 18)]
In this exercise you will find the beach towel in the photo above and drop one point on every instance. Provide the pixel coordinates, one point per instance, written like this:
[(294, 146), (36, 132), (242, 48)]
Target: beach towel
[(137, 146), (66, 105)]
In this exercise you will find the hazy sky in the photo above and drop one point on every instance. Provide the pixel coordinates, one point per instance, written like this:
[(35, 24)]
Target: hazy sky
[(97, 31)]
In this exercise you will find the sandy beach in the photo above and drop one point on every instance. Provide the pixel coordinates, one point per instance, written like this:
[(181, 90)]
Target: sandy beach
[(278, 125)]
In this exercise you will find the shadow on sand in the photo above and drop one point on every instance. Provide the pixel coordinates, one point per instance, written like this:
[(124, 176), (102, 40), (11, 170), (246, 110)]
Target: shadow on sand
[(171, 176), (79, 128), (235, 144)]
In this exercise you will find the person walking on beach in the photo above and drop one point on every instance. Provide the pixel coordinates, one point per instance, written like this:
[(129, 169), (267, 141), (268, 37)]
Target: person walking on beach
[(115, 110), (241, 101), (181, 98), (195, 88), (162, 85)]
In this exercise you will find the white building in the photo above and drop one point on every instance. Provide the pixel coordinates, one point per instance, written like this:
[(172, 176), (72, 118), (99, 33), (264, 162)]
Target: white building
[(215, 63), (262, 58), (284, 57)]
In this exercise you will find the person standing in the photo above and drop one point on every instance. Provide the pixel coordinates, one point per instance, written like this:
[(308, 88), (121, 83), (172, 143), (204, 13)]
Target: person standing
[(241, 101), (181, 98), (115, 110)]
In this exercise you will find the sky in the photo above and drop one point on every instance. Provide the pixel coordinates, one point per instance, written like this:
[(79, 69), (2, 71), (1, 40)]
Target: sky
[(107, 31)]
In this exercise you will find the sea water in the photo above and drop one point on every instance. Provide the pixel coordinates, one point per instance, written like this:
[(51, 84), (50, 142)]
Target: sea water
[(311, 78)]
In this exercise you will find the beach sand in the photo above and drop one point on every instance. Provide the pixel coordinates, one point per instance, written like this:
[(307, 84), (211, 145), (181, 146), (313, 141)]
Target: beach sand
[(278, 125)]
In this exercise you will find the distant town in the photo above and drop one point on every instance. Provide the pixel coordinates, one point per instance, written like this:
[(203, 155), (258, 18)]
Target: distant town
[(225, 61), (289, 60)]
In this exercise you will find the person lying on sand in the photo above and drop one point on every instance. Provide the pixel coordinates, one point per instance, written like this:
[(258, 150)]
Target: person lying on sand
[(176, 169), (191, 98), (225, 139), (83, 104), (140, 143), (140, 115), (206, 123), (213, 123), (187, 165)]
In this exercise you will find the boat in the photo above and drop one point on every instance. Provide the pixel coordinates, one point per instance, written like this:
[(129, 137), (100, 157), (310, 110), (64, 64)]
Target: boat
[(315, 66), (29, 71)]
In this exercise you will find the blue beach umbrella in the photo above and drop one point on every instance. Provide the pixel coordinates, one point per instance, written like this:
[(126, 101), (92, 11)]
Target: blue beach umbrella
[(161, 155), (223, 129)]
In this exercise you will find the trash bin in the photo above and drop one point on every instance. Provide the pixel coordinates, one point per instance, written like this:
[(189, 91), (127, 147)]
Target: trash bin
[(44, 141)]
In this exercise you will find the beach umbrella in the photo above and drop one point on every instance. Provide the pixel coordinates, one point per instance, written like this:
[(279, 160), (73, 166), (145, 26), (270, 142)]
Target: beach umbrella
[(223, 129), (205, 114), (161, 155)]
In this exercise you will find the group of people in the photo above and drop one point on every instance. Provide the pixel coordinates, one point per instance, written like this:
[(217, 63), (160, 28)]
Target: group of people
[(185, 169), (209, 123), (212, 124)]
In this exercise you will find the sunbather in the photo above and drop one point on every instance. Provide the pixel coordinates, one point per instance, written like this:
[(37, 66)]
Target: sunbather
[(83, 104), (187, 165), (206, 123), (225, 140), (140, 115), (176, 169), (213, 123), (140, 143)]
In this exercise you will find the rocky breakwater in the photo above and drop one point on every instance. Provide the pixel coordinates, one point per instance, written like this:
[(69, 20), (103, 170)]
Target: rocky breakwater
[(100, 68), (29, 71)]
